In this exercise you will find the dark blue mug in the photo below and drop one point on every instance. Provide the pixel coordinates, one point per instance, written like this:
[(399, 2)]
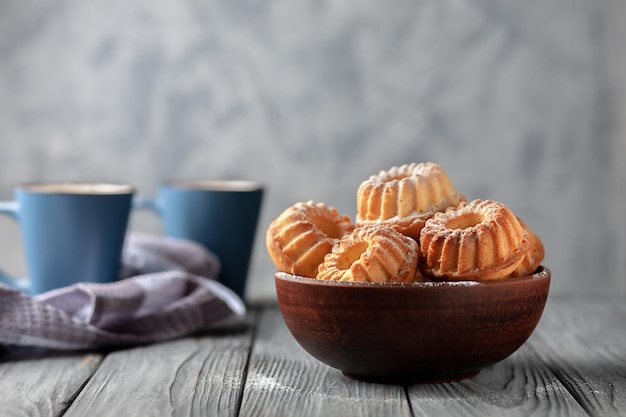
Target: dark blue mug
[(72, 232), (222, 215)]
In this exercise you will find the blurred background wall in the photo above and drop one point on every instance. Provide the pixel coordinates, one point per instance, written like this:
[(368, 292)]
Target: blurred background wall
[(521, 102)]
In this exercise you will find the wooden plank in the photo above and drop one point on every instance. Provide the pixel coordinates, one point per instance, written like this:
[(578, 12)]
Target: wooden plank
[(195, 376), (284, 380), (583, 341), (573, 364), (517, 386), (37, 382)]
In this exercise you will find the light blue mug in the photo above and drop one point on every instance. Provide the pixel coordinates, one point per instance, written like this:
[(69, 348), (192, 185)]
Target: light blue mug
[(72, 232), (222, 215)]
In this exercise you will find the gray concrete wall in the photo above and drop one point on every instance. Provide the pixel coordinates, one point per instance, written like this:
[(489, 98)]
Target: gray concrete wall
[(521, 102)]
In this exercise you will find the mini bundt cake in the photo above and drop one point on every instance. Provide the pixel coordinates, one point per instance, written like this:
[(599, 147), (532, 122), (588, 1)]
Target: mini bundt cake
[(479, 240), (372, 254), (405, 197), (303, 234), (534, 255)]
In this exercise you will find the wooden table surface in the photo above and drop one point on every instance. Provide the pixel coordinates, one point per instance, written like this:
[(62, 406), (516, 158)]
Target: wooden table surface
[(574, 364)]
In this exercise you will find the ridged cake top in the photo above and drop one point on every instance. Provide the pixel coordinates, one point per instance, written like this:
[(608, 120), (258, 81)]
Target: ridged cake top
[(303, 234), (481, 239), (406, 190), (405, 196), (372, 254)]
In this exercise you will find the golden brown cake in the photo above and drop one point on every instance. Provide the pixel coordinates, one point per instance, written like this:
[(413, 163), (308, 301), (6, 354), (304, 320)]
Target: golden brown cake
[(405, 197), (479, 240), (534, 255), (303, 234), (372, 254)]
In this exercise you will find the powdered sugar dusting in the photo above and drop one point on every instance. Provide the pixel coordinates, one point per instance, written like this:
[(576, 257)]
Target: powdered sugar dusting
[(449, 283), (313, 281)]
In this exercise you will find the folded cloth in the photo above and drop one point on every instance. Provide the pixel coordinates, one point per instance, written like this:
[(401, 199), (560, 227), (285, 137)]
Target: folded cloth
[(146, 253), (168, 291)]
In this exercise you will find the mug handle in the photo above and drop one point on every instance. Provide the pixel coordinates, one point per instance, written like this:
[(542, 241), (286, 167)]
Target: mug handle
[(10, 208), (145, 203)]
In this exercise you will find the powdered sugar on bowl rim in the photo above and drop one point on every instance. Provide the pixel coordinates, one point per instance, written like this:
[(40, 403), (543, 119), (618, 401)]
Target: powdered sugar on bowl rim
[(314, 281), (540, 273)]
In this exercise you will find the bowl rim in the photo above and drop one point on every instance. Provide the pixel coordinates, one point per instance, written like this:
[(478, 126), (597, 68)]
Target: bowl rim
[(540, 273)]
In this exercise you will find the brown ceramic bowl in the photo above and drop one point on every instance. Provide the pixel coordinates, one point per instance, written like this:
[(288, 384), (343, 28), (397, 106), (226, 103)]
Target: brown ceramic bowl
[(412, 333)]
